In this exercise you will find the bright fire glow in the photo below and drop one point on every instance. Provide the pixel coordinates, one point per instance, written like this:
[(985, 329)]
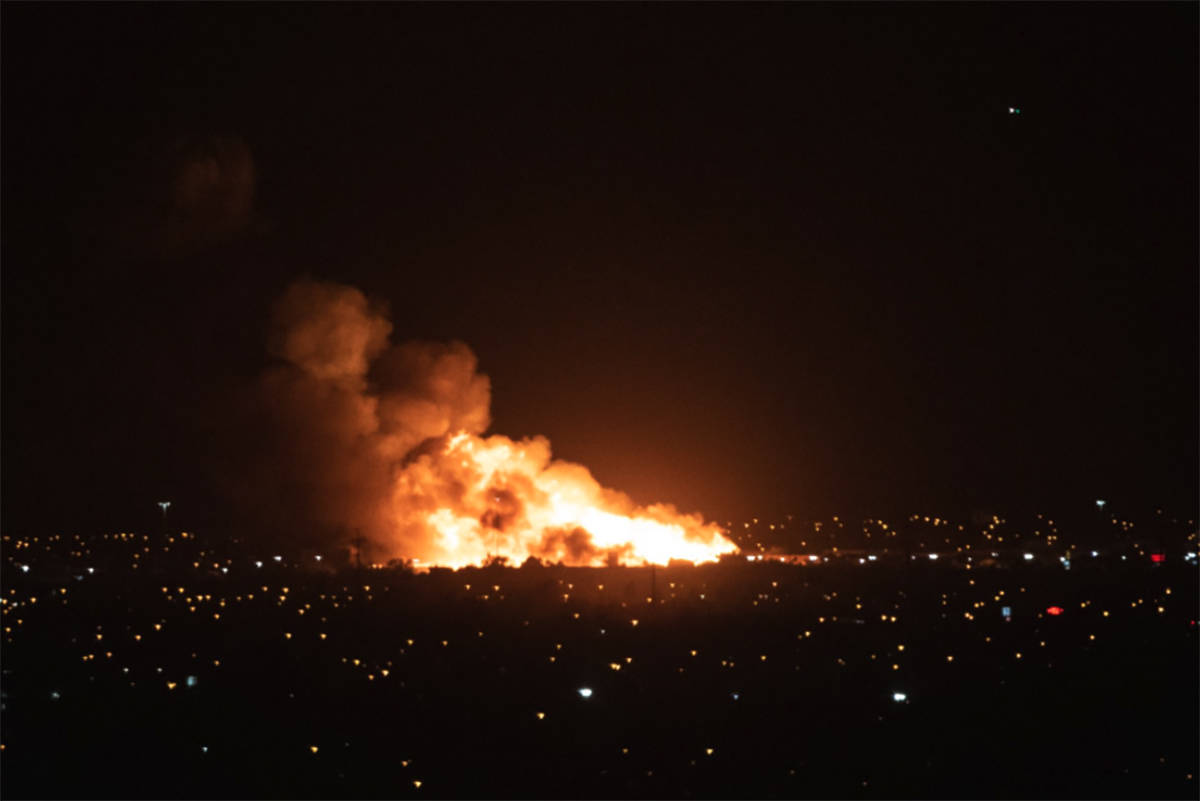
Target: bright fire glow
[(386, 441), (481, 497)]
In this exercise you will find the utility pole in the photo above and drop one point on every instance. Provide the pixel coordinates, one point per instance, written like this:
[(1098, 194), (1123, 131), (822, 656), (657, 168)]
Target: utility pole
[(164, 506)]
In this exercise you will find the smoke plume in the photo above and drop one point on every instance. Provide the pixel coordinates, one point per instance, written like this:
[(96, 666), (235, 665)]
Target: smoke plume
[(169, 197), (382, 443)]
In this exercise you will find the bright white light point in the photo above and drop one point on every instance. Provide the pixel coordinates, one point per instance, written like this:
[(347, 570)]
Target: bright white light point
[(586, 692), (899, 697), (1100, 504), (1095, 554), (933, 556), (871, 557), (24, 568), (317, 557), (257, 564), (191, 681), (1028, 557), (278, 558), (735, 696)]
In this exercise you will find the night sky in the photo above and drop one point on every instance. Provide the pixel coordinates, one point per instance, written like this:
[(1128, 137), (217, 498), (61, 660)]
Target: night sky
[(748, 259)]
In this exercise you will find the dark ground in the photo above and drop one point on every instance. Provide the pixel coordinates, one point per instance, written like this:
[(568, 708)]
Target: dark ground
[(1071, 717)]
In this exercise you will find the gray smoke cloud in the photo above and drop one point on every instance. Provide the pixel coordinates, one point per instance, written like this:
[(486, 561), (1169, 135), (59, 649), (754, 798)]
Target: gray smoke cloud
[(365, 441), (211, 191), (172, 197), (344, 408)]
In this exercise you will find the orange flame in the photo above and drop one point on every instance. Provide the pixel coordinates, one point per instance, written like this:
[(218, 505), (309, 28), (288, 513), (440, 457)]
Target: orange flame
[(386, 440), (478, 498)]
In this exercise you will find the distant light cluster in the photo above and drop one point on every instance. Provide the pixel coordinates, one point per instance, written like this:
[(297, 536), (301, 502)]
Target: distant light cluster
[(593, 633)]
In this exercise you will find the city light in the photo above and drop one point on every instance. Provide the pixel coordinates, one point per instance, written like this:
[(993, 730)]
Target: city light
[(299, 614)]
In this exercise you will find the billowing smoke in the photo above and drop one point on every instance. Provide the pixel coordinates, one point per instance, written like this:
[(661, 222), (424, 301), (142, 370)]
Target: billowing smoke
[(382, 443), (172, 197), (212, 191)]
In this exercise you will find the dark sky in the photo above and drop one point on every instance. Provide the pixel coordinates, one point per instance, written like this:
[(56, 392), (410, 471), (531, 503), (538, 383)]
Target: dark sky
[(751, 259)]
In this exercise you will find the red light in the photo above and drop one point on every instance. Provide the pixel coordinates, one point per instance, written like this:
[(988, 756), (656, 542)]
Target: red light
[(1054, 610), (1157, 557)]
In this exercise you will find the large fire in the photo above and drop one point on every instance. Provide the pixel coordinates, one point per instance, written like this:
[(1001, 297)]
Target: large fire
[(385, 441), (492, 497)]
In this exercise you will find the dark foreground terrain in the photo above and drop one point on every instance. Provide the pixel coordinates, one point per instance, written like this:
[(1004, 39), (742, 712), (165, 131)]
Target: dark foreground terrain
[(897, 677)]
